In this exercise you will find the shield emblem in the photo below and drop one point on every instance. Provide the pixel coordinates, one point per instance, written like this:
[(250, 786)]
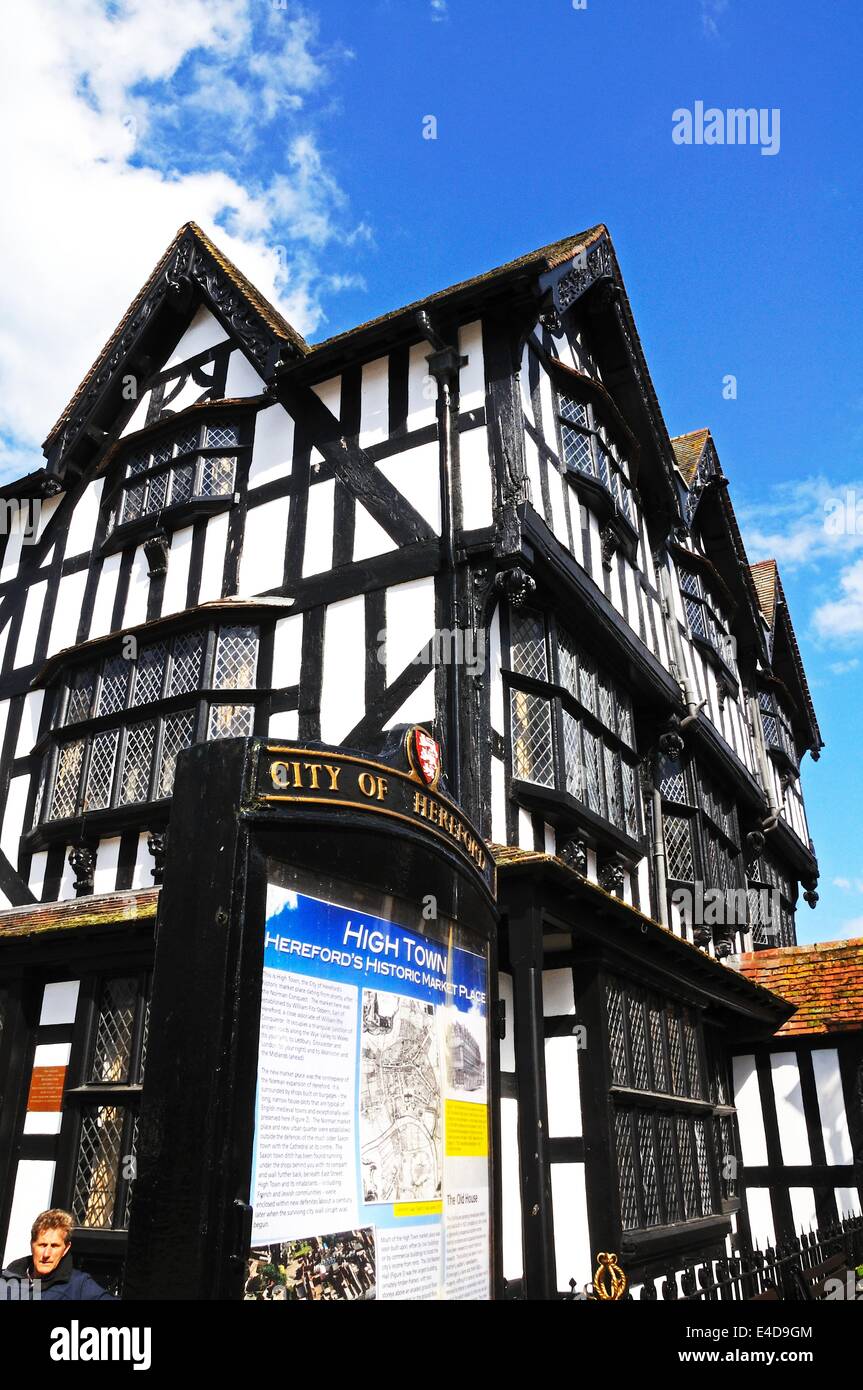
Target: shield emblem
[(424, 756)]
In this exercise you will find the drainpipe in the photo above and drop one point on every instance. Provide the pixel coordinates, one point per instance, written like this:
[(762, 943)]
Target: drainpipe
[(693, 706), (444, 364), (773, 810), (659, 860)]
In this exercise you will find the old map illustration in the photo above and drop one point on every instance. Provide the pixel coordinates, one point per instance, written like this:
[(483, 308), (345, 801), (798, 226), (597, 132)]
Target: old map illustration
[(400, 1100)]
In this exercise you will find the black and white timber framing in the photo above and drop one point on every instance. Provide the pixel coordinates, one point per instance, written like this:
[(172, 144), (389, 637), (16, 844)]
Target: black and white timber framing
[(467, 514)]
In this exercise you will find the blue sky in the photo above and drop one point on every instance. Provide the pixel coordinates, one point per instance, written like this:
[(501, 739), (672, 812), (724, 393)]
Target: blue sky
[(295, 136)]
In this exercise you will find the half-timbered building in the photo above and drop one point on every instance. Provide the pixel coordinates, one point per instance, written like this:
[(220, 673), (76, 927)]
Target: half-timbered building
[(468, 515)]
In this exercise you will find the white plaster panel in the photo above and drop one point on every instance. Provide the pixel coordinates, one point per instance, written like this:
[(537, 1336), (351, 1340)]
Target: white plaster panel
[(29, 727), (790, 1117), (67, 611), (59, 1002), (498, 801), (562, 1088), (847, 1201), (370, 538), (410, 612), (374, 403), (13, 817), (572, 1251), (330, 392), (831, 1105), (100, 623), (761, 1217), (12, 553), (26, 648), (498, 717), (422, 390), (513, 1259), (204, 332), (139, 591), (287, 651), (803, 1212), (177, 578), (558, 993), (213, 567), (419, 706), (107, 860), (285, 724), (475, 471), (318, 551), (36, 881), (472, 376), (242, 379), (342, 690), (142, 874), (273, 447), (750, 1119), (262, 564), (525, 829), (415, 474)]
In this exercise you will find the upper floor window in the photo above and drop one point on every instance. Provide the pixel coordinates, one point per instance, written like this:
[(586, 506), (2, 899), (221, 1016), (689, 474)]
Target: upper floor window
[(124, 721), (587, 449), (771, 904), (195, 461), (571, 724), (778, 735), (701, 834), (704, 613)]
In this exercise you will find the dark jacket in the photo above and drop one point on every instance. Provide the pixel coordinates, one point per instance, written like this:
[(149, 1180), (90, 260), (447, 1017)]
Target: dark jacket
[(66, 1283)]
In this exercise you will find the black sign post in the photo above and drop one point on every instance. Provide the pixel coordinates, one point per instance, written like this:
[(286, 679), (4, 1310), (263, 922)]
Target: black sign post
[(321, 1085)]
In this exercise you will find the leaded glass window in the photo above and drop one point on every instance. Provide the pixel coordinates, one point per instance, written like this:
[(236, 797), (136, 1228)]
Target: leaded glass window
[(670, 1149), (236, 658), (587, 450), (704, 611), (231, 721), (532, 755), (193, 461)]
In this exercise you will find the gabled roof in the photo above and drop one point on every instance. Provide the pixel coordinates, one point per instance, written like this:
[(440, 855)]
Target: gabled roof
[(688, 451), (824, 981), (774, 606), (191, 259), (766, 576)]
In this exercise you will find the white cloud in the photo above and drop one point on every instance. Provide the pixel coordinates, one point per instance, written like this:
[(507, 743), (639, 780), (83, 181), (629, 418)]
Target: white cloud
[(439, 10), (842, 618), (841, 668), (851, 929), (710, 14), (111, 144)]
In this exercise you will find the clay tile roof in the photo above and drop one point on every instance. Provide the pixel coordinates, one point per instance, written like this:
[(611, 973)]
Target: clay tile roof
[(824, 981), (688, 449), (544, 259), (764, 574)]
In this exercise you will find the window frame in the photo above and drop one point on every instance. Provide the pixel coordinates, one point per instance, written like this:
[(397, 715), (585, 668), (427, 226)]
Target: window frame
[(783, 747), (158, 712), (716, 640), (555, 692), (709, 837), (602, 444)]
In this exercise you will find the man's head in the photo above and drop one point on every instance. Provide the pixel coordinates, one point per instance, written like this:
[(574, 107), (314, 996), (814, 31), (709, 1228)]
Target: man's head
[(50, 1239)]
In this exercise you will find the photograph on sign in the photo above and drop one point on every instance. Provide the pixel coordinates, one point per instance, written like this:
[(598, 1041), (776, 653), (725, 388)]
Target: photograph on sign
[(371, 1114)]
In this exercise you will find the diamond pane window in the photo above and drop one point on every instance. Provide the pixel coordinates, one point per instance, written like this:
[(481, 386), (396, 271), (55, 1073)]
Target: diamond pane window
[(568, 664), (626, 1171), (657, 1046), (182, 484), (691, 1198), (624, 719), (617, 1045), (649, 1184), (606, 703), (138, 463), (572, 755), (137, 763), (179, 730), (637, 1040), (673, 783), (157, 496), (115, 684), (668, 1169), (678, 848), (217, 477), (162, 452), (112, 1050), (231, 721), (592, 772), (587, 683), (527, 645), (236, 658), (133, 505), (98, 1166), (65, 798), (532, 757), (603, 468), (630, 800), (576, 450), (689, 583), (613, 790), (150, 673), (573, 410), (100, 776), (186, 663), (186, 442), (223, 436), (81, 696), (672, 1026), (705, 1183), (693, 1065)]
